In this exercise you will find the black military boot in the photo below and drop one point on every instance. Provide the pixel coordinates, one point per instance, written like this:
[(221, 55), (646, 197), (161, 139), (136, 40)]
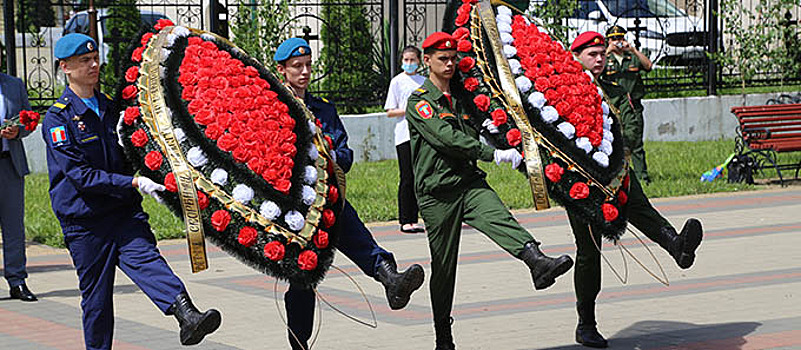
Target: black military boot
[(586, 332), (544, 269), (681, 246), (399, 286), (194, 324), (442, 330)]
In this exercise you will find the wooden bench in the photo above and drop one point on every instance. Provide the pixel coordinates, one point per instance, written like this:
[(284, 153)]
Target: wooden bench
[(764, 131)]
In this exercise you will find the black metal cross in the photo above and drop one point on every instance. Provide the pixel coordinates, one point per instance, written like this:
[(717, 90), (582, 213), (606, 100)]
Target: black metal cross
[(307, 35), (636, 30)]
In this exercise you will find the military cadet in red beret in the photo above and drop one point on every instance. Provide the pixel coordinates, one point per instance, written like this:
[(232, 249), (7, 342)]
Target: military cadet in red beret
[(452, 190), (590, 49)]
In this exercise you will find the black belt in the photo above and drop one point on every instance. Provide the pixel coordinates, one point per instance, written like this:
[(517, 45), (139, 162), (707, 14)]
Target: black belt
[(5, 154)]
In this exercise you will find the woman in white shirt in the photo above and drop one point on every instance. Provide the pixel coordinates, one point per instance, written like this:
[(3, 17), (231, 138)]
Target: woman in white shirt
[(401, 86)]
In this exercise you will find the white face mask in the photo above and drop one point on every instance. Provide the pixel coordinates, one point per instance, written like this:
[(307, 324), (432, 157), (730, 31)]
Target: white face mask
[(409, 68)]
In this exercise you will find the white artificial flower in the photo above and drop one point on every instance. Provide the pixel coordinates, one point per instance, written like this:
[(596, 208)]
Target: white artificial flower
[(207, 37), (294, 220), (537, 99), (606, 147), (196, 157), (179, 134), (162, 71), (501, 18), (242, 193), (601, 158), (507, 39), (608, 135), (589, 74), (180, 31), (313, 152), (309, 194), (503, 10), (269, 210), (171, 39), (309, 175), (584, 143), (567, 129), (333, 155), (525, 19), (605, 108), (504, 28), (165, 54), (219, 176), (487, 123), (549, 114), (312, 126), (541, 29), (514, 66), (607, 123), (523, 83), (600, 91), (509, 51)]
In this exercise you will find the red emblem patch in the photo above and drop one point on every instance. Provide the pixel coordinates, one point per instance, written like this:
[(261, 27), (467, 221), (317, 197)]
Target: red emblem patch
[(424, 109)]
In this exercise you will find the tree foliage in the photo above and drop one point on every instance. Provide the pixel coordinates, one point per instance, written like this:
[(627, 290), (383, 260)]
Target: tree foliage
[(35, 14), (122, 24), (258, 28)]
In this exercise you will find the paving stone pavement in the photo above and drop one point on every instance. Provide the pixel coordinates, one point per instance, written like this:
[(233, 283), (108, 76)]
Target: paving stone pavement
[(744, 292)]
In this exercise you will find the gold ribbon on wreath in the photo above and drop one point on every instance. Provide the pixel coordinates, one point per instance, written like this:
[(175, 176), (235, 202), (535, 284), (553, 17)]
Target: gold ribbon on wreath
[(157, 118)]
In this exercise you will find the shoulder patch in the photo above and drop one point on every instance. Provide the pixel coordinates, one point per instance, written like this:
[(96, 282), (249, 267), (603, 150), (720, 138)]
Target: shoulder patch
[(424, 109), (419, 91), (56, 107), (58, 136)]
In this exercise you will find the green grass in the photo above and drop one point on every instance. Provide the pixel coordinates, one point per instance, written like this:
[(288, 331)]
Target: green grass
[(675, 168)]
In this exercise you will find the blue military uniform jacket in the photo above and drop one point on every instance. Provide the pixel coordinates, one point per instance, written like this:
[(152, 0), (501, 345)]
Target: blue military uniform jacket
[(90, 180), (333, 127)]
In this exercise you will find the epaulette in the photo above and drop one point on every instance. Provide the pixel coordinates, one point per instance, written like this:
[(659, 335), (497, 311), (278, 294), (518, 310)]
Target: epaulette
[(57, 107), (419, 92), (107, 96), (325, 100)]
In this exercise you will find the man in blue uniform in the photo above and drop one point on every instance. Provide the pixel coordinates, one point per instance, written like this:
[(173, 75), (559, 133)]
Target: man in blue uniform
[(93, 194), (355, 241)]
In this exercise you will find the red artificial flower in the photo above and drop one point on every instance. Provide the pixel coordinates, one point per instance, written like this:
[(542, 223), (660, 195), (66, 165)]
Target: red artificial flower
[(139, 138), (247, 236), (227, 142), (321, 239), (131, 74), (202, 200), (542, 84), (169, 182), (622, 197), (580, 190), (329, 218), (333, 194), (274, 250), (29, 119), (470, 84), (626, 181), (482, 102), (513, 137), (461, 19), (499, 117), (146, 38), (307, 260), (136, 56), (466, 63), (203, 116), (464, 8), (220, 220), (464, 45), (162, 23), (283, 186), (554, 172), (129, 92), (153, 160), (460, 33), (610, 212), (214, 131)]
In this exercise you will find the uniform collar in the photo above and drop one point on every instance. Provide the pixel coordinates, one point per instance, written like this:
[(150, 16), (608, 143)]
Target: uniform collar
[(80, 108), (432, 89)]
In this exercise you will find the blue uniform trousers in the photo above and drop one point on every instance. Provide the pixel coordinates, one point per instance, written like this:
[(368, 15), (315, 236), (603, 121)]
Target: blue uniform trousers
[(127, 242), (12, 215), (358, 244)]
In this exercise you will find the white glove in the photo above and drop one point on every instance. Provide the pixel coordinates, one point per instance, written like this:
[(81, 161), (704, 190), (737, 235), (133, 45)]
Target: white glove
[(119, 131), (150, 188), (490, 126), (508, 156)]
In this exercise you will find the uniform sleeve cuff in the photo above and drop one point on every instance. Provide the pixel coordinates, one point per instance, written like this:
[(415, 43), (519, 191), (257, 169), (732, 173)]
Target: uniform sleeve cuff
[(122, 181)]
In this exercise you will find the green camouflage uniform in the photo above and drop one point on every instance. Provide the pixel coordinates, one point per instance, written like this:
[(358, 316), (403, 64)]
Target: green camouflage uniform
[(451, 189), (626, 73)]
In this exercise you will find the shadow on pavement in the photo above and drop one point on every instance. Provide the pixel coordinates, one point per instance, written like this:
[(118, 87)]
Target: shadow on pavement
[(46, 268), (664, 335), (124, 289)]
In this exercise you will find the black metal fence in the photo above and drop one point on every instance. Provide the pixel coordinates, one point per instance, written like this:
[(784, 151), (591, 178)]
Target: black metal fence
[(677, 35)]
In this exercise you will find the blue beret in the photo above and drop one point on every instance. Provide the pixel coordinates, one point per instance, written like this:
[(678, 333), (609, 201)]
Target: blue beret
[(292, 47), (74, 44)]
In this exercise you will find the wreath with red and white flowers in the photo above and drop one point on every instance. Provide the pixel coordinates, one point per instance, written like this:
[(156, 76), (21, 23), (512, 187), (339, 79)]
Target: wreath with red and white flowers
[(270, 194), (585, 168)]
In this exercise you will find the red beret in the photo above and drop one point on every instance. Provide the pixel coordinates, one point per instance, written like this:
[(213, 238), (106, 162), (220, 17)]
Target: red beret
[(440, 41), (587, 39)]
